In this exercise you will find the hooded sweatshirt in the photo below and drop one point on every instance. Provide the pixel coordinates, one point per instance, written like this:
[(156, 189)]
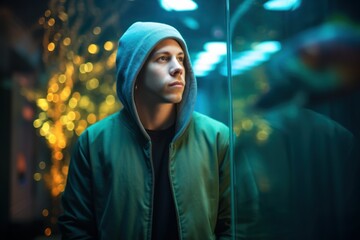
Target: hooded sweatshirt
[(110, 186), (134, 47)]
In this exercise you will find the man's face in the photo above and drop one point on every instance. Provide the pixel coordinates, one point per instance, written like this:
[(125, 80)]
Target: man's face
[(162, 79)]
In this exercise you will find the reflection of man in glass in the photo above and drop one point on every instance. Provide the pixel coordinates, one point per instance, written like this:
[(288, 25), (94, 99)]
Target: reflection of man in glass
[(156, 169), (303, 182)]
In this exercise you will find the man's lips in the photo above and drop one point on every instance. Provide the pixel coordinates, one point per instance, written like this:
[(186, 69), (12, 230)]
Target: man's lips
[(176, 83)]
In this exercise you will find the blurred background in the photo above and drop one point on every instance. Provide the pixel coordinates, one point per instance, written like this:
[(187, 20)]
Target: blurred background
[(283, 74)]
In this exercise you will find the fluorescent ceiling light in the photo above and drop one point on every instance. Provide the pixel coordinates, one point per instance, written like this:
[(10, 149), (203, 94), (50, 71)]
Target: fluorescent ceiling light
[(207, 58), (268, 46), (178, 5), (252, 56), (282, 5), (216, 47)]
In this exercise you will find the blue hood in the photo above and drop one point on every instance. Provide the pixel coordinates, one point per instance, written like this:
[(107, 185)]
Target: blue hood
[(135, 46)]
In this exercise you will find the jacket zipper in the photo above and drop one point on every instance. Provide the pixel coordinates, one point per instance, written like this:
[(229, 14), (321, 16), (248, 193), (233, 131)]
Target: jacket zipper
[(171, 147), (152, 190)]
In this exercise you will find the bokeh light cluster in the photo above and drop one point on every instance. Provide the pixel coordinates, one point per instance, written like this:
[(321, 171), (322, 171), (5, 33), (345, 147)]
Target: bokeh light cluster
[(80, 87), (78, 81)]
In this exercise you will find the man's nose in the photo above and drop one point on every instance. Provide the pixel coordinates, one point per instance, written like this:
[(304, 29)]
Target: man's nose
[(176, 68)]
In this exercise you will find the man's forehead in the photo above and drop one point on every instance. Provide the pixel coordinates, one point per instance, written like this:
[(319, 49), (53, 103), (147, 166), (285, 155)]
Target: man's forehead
[(168, 44)]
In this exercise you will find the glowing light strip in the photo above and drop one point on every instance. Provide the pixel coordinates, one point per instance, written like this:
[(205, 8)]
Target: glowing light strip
[(282, 5), (176, 5)]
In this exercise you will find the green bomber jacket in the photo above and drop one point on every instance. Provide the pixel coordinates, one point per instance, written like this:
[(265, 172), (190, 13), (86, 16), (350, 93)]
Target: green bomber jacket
[(109, 195)]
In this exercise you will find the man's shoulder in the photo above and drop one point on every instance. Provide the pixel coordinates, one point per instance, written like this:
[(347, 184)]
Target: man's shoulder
[(204, 126), (203, 121)]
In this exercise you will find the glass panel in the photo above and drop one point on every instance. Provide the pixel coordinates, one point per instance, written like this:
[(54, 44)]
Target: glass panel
[(295, 106)]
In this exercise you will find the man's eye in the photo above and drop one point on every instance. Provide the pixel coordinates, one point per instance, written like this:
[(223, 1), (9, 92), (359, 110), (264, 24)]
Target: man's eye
[(162, 59)]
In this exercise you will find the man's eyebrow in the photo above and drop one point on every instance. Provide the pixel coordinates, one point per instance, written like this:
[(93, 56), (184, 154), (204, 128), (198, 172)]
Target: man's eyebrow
[(167, 53)]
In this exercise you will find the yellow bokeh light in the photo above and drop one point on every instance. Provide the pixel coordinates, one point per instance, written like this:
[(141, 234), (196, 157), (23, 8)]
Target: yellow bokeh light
[(89, 67), (45, 212), (42, 132), (70, 126), (47, 13), (93, 49), (71, 115), (97, 30), (73, 102), (76, 95), (247, 124), (61, 187), (58, 155), (54, 87), (67, 41), (55, 98), (65, 113), (50, 97), (64, 120), (82, 68), (108, 45), (62, 78), (65, 93), (110, 99), (41, 20), (37, 123), (52, 139), (46, 127), (77, 115), (42, 116), (47, 232), (86, 67), (37, 177), (84, 102), (65, 170), (77, 60), (91, 118), (62, 143), (57, 177), (92, 84), (51, 47), (262, 135), (51, 22), (42, 165), (63, 16), (81, 127), (110, 63)]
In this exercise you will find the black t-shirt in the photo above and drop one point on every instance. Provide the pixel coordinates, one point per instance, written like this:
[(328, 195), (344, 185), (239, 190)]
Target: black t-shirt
[(164, 216)]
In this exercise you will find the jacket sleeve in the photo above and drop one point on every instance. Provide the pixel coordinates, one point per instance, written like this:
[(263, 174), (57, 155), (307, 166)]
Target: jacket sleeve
[(78, 218), (223, 227)]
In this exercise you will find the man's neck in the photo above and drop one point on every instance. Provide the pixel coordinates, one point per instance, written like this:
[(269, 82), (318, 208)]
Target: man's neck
[(158, 117)]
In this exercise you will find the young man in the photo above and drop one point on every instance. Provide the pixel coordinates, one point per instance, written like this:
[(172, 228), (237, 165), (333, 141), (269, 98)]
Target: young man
[(156, 169)]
